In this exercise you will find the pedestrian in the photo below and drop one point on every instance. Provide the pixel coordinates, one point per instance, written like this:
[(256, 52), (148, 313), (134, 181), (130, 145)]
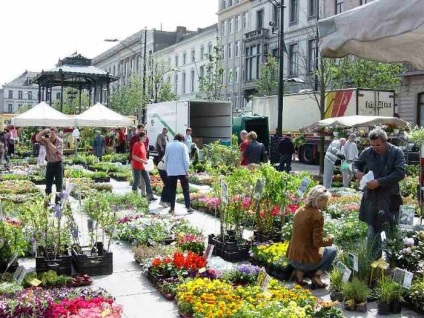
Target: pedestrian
[(164, 197), (286, 151), (161, 142), (243, 145), (188, 141), (350, 152), (35, 144), (331, 156), (309, 250), (54, 152), (99, 145), (76, 138), (9, 143), (255, 151), (133, 141), (138, 161), (177, 164), (120, 148), (381, 199)]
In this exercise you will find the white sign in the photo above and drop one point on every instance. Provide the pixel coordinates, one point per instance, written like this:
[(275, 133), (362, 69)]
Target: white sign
[(263, 279), (345, 270), (19, 274), (224, 192), (354, 262), (303, 186), (383, 236), (407, 280), (406, 217), (208, 252)]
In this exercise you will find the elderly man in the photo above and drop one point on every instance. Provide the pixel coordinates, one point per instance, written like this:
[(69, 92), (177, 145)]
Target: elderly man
[(161, 142), (54, 152), (243, 146), (350, 151), (333, 153)]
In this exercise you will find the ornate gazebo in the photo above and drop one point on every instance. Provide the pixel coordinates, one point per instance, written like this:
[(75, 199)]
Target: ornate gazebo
[(77, 72)]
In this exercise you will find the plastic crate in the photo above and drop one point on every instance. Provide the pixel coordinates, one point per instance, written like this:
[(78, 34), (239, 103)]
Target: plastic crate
[(93, 265), (61, 265)]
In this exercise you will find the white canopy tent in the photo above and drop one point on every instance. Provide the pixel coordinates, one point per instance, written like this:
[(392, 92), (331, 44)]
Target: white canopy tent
[(383, 30), (356, 121), (43, 115), (101, 116)]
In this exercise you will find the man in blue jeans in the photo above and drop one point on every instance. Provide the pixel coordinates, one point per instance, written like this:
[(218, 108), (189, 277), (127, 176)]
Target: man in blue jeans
[(177, 164), (286, 150)]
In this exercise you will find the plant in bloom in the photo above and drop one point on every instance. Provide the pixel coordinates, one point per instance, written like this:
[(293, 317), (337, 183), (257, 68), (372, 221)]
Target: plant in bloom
[(170, 266), (191, 242), (271, 254)]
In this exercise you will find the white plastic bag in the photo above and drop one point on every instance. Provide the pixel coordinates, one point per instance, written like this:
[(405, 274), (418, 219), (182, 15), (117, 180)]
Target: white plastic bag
[(149, 166)]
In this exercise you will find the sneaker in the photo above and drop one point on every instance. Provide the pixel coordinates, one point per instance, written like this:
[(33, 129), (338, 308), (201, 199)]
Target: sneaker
[(164, 204), (190, 210)]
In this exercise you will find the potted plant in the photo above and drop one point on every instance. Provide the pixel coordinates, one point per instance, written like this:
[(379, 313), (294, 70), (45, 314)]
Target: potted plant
[(396, 299), (383, 292), (336, 285), (356, 294)]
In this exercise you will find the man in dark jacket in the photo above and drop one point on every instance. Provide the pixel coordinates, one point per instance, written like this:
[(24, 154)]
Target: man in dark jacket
[(255, 151), (381, 200), (286, 151)]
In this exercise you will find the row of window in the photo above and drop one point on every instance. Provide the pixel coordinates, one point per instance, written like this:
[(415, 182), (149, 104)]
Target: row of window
[(227, 3), (29, 95), (339, 5), (202, 55), (231, 50), (234, 24), (10, 107)]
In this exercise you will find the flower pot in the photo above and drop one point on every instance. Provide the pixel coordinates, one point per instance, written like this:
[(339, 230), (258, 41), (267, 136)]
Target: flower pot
[(362, 307), (395, 307), (383, 308), (337, 296)]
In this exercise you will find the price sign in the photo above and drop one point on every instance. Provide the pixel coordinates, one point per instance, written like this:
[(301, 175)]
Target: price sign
[(263, 279), (345, 270), (407, 280), (35, 282)]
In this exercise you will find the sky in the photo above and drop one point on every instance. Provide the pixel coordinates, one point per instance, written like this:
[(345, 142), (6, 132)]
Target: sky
[(36, 33)]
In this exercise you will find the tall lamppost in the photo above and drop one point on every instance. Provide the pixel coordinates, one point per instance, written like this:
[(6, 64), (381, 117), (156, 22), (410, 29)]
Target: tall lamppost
[(143, 57), (281, 7)]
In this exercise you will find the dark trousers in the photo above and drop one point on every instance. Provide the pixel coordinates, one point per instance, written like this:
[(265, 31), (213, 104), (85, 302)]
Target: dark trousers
[(172, 182), (164, 197), (285, 163), (35, 149), (54, 172)]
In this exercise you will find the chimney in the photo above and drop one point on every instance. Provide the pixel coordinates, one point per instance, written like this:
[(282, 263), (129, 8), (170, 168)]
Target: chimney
[(181, 32)]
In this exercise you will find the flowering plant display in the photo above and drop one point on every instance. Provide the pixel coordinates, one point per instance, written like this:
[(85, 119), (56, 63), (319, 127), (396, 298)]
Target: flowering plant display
[(273, 255), (178, 263), (191, 242), (242, 275)]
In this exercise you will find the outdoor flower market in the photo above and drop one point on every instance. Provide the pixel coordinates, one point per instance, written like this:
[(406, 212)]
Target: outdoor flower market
[(103, 248)]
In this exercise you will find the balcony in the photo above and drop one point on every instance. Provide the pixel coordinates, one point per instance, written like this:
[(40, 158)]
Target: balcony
[(256, 35)]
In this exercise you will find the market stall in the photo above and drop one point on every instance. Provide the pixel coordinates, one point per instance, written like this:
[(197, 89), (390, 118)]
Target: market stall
[(43, 115), (101, 116)]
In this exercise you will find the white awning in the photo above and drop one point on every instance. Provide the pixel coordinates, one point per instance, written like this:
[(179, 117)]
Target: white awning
[(42, 115), (101, 116)]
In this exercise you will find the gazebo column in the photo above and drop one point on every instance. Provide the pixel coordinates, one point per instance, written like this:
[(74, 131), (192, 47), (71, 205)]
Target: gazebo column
[(39, 93), (43, 97), (108, 93), (80, 101), (61, 89), (89, 95), (101, 93), (95, 93)]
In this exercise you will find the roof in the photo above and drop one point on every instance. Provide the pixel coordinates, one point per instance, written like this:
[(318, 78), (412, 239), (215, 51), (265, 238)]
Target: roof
[(25, 79), (76, 69)]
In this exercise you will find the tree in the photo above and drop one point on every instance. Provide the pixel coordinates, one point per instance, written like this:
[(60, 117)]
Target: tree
[(211, 83), (159, 88), (128, 100), (267, 84), (71, 101)]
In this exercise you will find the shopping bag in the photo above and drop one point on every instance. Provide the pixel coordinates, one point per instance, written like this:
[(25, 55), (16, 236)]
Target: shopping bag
[(149, 166), (345, 166)]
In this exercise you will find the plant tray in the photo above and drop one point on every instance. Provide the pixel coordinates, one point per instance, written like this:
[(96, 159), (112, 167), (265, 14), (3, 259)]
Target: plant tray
[(93, 265), (105, 179), (230, 252), (61, 265)]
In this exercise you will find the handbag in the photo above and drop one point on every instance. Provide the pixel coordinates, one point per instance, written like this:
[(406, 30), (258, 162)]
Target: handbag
[(345, 166), (149, 166)]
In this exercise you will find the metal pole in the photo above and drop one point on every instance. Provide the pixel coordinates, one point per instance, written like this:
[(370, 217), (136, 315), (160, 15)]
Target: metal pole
[(316, 57), (281, 72), (143, 117)]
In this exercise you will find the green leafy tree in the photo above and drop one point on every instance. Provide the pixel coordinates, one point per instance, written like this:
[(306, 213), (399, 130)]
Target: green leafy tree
[(210, 85), (71, 101), (159, 88), (129, 100), (267, 84)]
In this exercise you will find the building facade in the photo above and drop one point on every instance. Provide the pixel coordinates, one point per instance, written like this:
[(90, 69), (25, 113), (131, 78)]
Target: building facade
[(22, 92), (333, 7)]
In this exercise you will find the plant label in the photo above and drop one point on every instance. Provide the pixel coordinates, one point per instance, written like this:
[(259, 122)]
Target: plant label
[(354, 262), (19, 274), (398, 275), (259, 189), (35, 282), (345, 270), (261, 277), (202, 270), (12, 259), (407, 280), (224, 192), (208, 251), (303, 186), (406, 217), (383, 236)]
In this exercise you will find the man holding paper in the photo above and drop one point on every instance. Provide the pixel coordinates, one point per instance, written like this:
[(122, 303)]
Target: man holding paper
[(381, 200)]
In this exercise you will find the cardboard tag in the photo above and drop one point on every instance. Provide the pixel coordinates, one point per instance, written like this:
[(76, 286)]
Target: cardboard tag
[(259, 189), (224, 192), (208, 251), (398, 275), (35, 282), (303, 186)]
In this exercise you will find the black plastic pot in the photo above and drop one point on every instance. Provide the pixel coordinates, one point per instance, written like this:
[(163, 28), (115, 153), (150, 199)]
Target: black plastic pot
[(383, 308), (395, 307)]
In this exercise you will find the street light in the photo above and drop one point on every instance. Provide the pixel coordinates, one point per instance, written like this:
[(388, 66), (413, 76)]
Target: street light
[(143, 57), (281, 7)]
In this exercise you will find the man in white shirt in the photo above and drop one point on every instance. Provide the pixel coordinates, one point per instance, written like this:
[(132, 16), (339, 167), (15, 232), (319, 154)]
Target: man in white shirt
[(76, 137), (331, 156), (350, 151)]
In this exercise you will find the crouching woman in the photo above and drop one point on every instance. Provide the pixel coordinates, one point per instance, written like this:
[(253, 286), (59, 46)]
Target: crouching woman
[(309, 251)]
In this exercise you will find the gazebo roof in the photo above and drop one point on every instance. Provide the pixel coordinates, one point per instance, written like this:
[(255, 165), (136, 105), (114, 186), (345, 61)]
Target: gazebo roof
[(74, 71)]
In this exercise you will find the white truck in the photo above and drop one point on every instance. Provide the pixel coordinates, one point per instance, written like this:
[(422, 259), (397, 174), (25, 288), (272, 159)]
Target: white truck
[(301, 110), (209, 120)]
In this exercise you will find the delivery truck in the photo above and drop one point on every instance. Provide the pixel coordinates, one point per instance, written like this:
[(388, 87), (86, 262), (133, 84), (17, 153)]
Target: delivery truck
[(301, 110)]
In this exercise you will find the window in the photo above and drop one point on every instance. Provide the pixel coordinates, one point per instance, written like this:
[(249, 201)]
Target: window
[(230, 50), (20, 95), (236, 23), (275, 16), (209, 48), (183, 83), (294, 11), (230, 76), (223, 4), (259, 19), (201, 72), (312, 8), (362, 2), (275, 53), (223, 27), (114, 70), (236, 48), (193, 55), (10, 94), (176, 84), (29, 95), (202, 52), (230, 25), (312, 50), (223, 52), (245, 21), (184, 58), (176, 61), (58, 95), (253, 55), (10, 108), (293, 58), (339, 6), (420, 111), (223, 77), (236, 75), (192, 79)]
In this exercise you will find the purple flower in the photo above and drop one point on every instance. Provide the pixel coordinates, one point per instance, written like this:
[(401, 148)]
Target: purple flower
[(248, 269)]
